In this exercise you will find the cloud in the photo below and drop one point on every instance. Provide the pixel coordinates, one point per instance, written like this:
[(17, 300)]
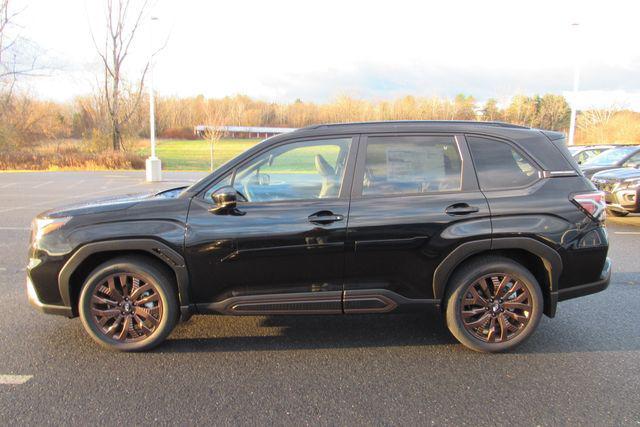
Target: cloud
[(379, 81)]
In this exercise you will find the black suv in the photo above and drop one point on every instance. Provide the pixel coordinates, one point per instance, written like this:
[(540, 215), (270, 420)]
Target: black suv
[(491, 223)]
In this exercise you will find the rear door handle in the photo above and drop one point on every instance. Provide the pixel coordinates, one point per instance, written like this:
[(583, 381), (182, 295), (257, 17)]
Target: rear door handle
[(324, 217), (461, 209)]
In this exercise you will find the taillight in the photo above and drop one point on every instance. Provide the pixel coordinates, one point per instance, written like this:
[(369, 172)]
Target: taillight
[(592, 203)]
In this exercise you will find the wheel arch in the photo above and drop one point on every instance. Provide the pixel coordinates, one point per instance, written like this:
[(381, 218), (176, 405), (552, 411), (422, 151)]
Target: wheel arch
[(543, 262), (89, 256)]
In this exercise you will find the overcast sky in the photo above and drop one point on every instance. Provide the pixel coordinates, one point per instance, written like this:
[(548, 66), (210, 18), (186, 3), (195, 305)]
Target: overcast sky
[(315, 51)]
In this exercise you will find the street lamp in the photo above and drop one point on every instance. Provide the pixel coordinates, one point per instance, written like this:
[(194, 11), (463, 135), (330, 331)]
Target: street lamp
[(152, 164), (576, 82)]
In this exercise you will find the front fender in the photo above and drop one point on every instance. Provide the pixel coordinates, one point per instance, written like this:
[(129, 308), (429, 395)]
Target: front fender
[(159, 250)]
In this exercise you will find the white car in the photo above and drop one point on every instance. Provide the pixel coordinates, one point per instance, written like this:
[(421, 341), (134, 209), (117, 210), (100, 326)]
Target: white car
[(582, 153)]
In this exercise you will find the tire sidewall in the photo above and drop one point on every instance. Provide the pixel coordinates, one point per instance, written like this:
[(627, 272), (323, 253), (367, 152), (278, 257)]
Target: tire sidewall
[(148, 273), (468, 276)]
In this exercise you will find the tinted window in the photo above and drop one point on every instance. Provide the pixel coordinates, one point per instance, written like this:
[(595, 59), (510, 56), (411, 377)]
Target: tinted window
[(296, 171), (411, 164), (610, 157), (499, 166)]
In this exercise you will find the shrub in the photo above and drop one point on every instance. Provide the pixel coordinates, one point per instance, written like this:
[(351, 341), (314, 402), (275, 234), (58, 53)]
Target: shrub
[(68, 155), (178, 133)]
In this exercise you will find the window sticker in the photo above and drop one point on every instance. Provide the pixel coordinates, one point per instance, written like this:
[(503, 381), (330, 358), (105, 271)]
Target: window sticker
[(408, 164)]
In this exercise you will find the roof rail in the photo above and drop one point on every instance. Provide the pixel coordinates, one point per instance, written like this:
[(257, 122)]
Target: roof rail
[(466, 122)]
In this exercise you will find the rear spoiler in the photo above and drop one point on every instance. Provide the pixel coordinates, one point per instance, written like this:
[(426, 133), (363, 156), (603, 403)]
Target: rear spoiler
[(552, 135)]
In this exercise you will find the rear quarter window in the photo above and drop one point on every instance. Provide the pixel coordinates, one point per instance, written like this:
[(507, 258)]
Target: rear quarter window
[(499, 165)]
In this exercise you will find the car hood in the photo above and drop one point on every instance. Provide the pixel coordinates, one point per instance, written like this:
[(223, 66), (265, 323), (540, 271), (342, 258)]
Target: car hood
[(618, 174), (108, 204)]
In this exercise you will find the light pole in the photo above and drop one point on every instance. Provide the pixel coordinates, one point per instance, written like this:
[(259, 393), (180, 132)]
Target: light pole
[(153, 164), (576, 82)]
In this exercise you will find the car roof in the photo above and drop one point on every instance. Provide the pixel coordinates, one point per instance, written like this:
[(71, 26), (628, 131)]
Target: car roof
[(397, 123), (500, 129)]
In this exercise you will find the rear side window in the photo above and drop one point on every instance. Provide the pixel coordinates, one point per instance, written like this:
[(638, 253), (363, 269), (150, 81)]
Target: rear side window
[(500, 166), (411, 164)]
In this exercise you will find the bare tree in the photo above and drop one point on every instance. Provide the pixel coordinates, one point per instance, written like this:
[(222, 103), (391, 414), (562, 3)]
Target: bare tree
[(215, 129), (122, 99), (594, 123), (18, 56)]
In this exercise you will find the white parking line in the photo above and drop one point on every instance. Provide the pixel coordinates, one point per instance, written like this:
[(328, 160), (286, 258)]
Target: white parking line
[(42, 184), (626, 232), (14, 379), (8, 185)]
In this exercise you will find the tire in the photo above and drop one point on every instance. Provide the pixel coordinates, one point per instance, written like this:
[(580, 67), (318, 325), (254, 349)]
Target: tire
[(617, 213), (517, 313), (152, 310)]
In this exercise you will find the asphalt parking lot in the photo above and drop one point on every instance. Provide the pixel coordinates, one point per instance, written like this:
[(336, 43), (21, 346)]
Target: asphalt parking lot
[(583, 367)]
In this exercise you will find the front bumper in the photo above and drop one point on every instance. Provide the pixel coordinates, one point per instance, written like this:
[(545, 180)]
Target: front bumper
[(620, 200), (34, 300), (589, 288)]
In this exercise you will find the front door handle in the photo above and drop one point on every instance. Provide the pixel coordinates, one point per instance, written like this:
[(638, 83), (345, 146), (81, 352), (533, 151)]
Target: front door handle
[(461, 209), (324, 217)]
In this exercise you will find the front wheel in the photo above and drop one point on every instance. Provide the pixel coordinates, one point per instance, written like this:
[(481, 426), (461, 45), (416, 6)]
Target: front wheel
[(128, 304), (493, 305)]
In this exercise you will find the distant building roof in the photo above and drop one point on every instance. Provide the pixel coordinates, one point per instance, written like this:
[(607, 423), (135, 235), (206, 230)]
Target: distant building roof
[(252, 129)]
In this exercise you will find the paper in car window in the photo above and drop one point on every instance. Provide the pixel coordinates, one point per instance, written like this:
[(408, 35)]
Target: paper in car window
[(409, 164)]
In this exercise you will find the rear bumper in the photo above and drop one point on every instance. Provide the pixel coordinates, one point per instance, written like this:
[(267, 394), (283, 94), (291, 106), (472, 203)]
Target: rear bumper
[(34, 300), (589, 288)]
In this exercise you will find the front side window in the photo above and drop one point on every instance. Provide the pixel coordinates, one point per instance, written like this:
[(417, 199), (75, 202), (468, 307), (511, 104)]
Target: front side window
[(298, 171), (411, 164), (500, 166), (224, 182)]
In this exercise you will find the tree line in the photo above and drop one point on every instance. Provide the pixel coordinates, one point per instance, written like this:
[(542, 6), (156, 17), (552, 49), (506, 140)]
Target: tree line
[(27, 120)]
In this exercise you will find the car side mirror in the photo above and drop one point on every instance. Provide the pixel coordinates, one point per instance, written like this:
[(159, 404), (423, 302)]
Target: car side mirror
[(225, 200)]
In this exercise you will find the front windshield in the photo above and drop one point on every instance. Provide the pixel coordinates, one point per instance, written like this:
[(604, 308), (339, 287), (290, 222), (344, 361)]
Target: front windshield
[(610, 157), (574, 150)]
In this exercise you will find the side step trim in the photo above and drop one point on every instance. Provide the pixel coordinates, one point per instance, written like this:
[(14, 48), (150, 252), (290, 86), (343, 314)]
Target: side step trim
[(332, 302), (382, 301), (296, 303)]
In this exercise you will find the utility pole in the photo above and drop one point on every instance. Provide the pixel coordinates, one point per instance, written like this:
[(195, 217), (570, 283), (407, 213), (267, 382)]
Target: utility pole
[(152, 164), (576, 81)]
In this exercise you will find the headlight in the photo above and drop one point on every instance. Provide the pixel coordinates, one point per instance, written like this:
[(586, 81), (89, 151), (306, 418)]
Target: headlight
[(44, 226)]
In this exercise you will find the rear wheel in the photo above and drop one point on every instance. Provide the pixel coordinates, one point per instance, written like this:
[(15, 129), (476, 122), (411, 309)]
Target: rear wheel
[(128, 304), (493, 304)]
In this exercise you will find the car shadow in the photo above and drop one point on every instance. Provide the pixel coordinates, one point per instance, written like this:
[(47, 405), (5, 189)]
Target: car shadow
[(283, 333), (273, 333)]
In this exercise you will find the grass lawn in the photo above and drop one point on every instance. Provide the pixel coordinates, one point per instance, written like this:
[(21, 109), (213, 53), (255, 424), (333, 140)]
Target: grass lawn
[(195, 155)]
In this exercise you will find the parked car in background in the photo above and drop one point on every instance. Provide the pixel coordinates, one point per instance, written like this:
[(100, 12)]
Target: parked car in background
[(624, 156), (621, 188), (492, 223), (582, 153)]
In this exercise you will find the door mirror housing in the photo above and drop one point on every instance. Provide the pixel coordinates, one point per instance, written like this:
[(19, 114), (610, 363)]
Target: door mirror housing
[(225, 200)]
